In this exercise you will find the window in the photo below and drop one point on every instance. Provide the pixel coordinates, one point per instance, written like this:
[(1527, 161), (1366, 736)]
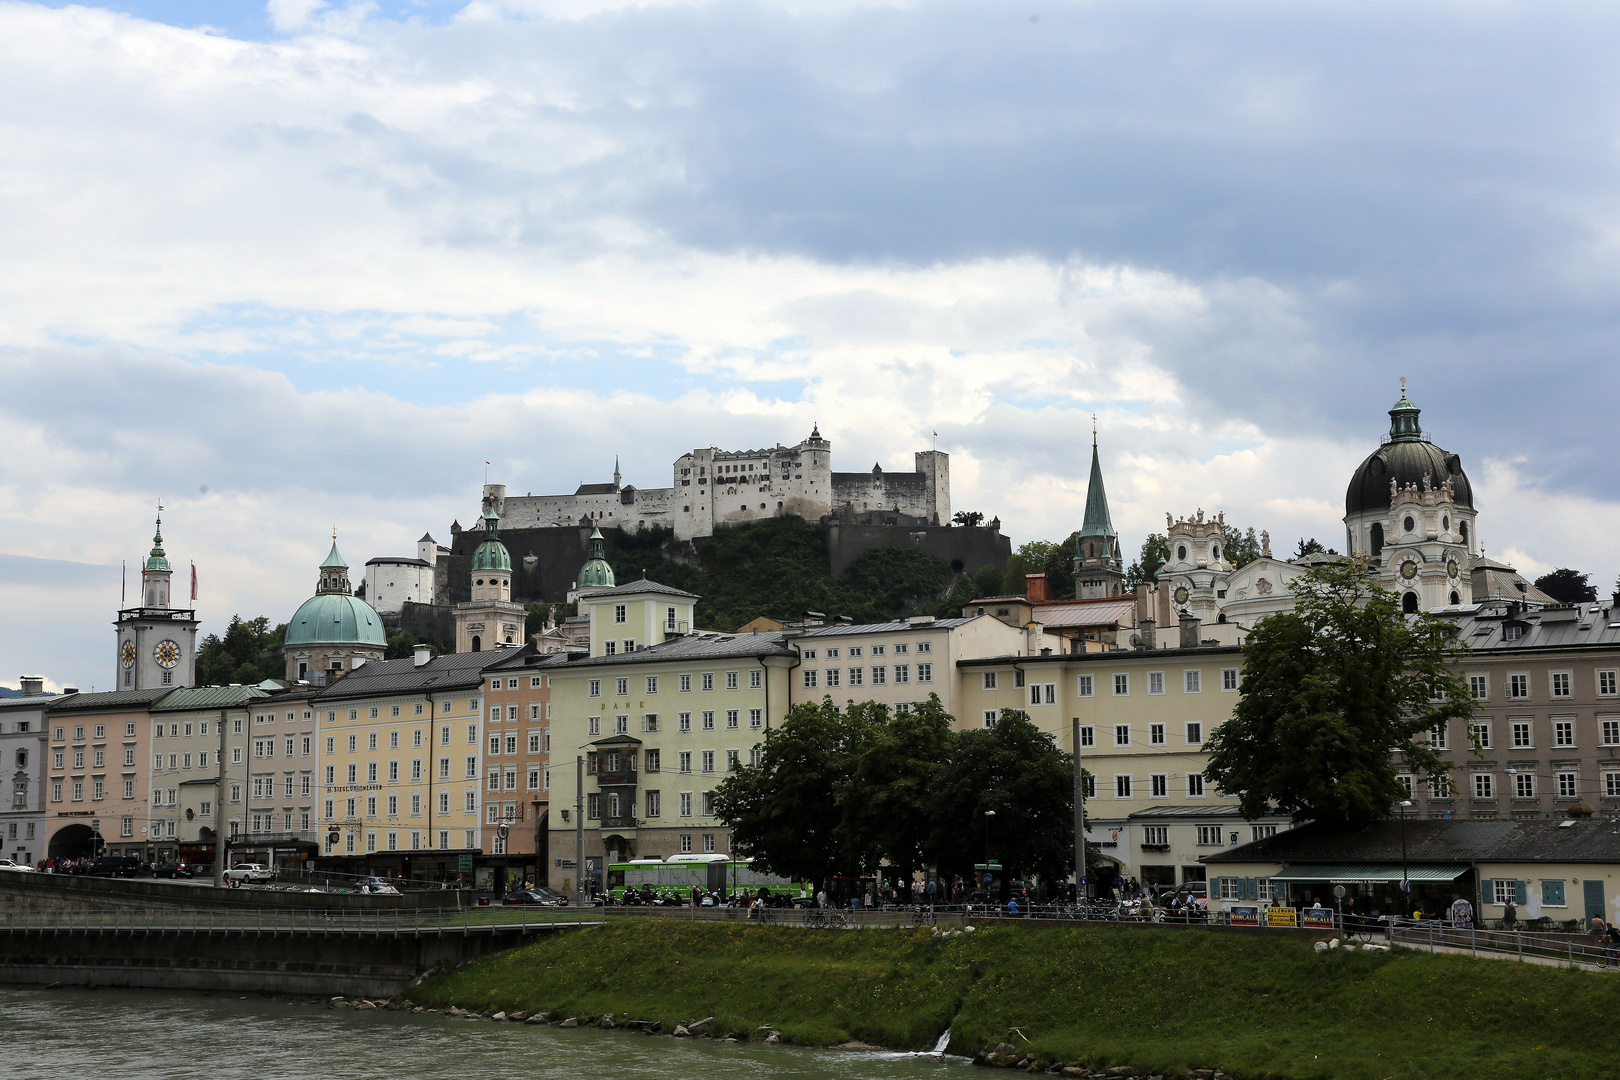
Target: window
[(1229, 678), (649, 724), (685, 803), (1229, 888), (1560, 684), (1480, 735), (650, 759), (1122, 734), (1090, 782), (925, 646), (1521, 734), (621, 613), (708, 761), (1518, 686), (1524, 786), (1194, 681), (652, 684), (732, 759), (1611, 785), (1158, 786), (593, 725), (621, 686), (686, 684), (683, 721), (1563, 733), (809, 654), (1261, 832), (1437, 738), (1567, 783), (756, 680), (1122, 684), (810, 678), (990, 717), (832, 654), (855, 676), (494, 744), (1406, 784), (1043, 693), (1209, 835), (444, 769), (1479, 687), (756, 718), (1156, 836), (1155, 682), (1484, 786), (708, 719), (621, 725), (1195, 734), (1084, 689), (610, 648), (1503, 890), (731, 680), (925, 672), (902, 672), (1606, 683), (833, 677), (990, 678), (707, 680), (1088, 736), (1122, 785), (594, 688), (1155, 734), (1552, 894), (684, 761), (1195, 785)]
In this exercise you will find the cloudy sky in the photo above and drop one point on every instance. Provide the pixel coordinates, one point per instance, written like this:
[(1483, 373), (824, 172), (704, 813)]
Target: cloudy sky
[(303, 265)]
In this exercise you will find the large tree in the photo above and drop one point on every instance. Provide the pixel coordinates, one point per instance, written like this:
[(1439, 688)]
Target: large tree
[(1155, 553), (250, 652), (1332, 691), (1018, 771), (1567, 586), (888, 803)]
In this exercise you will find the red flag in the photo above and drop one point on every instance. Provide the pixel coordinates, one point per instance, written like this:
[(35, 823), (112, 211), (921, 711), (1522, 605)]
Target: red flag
[(193, 583)]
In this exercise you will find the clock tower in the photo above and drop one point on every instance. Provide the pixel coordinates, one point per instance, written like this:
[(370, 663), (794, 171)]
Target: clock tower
[(157, 643)]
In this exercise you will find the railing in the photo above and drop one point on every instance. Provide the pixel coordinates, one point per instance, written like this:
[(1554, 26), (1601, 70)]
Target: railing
[(395, 922)]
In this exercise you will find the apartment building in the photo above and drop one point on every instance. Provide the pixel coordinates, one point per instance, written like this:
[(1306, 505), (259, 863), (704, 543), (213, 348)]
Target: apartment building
[(1144, 716), (517, 770), (24, 734), (282, 822), (112, 799), (898, 663), (400, 758), (651, 721), (1545, 733), (188, 811)]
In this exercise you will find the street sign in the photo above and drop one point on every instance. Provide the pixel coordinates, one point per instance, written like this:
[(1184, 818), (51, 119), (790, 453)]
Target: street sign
[(466, 864)]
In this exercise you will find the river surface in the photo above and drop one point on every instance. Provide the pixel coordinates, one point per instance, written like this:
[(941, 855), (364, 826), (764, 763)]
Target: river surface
[(158, 1035)]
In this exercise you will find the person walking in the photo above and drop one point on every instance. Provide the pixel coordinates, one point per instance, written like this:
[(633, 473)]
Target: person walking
[(1510, 915)]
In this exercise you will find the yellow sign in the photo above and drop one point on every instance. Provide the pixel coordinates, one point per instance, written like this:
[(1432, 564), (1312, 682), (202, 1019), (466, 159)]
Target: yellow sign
[(1281, 916)]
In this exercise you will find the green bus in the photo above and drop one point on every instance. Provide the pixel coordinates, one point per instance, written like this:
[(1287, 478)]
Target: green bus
[(674, 878)]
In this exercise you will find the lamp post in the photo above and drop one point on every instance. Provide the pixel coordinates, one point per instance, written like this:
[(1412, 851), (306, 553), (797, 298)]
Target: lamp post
[(988, 815), (1406, 885)]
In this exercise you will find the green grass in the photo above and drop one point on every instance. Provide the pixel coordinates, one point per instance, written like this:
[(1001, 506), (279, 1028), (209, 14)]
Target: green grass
[(1164, 1001)]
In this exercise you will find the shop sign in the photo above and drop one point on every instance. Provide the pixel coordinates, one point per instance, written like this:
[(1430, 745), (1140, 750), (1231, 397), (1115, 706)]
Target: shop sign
[(1318, 918), (1244, 916), (1281, 916)]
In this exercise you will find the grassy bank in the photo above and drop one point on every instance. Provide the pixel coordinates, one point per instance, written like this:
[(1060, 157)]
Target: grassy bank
[(1257, 1006)]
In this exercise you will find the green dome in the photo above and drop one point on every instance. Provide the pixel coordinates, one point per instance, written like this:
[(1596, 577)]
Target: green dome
[(596, 571), (158, 560), (492, 554), (336, 619)]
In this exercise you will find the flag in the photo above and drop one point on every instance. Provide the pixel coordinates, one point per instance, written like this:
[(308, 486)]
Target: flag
[(193, 583), (123, 583)]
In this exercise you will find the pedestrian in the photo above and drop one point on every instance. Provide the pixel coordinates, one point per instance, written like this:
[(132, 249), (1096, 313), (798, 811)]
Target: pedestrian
[(1510, 915)]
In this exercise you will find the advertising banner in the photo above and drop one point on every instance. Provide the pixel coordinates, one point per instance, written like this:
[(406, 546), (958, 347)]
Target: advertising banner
[(1281, 916), (1244, 916)]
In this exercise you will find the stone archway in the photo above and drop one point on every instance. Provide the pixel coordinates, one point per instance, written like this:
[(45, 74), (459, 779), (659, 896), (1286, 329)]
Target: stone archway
[(72, 842)]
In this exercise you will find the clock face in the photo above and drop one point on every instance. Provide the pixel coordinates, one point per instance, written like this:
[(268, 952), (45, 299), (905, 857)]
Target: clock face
[(1451, 567), (128, 653), (1181, 594), (167, 654), (1409, 570)]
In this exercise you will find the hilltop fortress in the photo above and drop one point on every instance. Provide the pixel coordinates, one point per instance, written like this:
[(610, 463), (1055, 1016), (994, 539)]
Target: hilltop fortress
[(712, 488)]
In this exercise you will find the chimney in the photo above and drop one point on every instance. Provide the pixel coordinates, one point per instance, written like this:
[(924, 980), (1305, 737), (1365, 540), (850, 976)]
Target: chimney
[(1035, 588), (32, 685), (424, 653), (1146, 628), (1189, 631), (66, 690)]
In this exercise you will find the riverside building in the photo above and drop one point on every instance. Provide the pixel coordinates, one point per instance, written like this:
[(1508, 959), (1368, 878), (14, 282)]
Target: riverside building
[(517, 765)]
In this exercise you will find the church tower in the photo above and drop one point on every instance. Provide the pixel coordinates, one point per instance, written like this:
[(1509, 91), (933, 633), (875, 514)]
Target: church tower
[(1098, 573), (490, 620), (157, 643)]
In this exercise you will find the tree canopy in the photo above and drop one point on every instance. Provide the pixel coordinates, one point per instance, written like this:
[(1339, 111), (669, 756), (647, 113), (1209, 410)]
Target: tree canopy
[(250, 652), (1567, 586), (1331, 692), (1155, 553), (969, 518)]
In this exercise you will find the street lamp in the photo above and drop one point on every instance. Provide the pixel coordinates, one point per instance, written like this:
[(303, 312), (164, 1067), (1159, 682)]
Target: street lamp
[(988, 814), (1406, 885)]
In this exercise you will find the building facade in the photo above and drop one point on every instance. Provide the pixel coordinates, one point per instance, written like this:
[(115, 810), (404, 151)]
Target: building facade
[(517, 765), (24, 732), (281, 825), (490, 620), (112, 799), (157, 641), (191, 730)]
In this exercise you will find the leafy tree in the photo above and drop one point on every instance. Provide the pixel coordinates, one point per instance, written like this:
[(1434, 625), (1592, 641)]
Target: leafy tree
[(1155, 553), (1567, 586), (969, 518), (360, 591), (404, 644), (535, 621), (1313, 546), (1331, 690), (1018, 771), (785, 812), (250, 652), (1030, 558), (1242, 546), (887, 805), (886, 577)]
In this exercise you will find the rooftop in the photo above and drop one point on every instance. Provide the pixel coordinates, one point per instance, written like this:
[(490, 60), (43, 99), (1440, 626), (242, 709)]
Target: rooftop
[(1571, 840), (1102, 612), (642, 587), (697, 647), (1482, 627), (208, 697), (110, 701), (453, 671), (895, 627)]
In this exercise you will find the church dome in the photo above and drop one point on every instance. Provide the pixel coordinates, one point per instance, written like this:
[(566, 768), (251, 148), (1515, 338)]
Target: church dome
[(492, 554), (1407, 457), (596, 572), (336, 619)]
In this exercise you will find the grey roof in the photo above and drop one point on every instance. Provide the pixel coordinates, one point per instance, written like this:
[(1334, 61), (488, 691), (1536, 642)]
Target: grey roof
[(391, 561), (402, 676), (697, 648), (527, 660), (1558, 626), (645, 586), (894, 627), (32, 701), (596, 489), (208, 697), (1572, 840), (1113, 656), (1214, 809), (112, 700)]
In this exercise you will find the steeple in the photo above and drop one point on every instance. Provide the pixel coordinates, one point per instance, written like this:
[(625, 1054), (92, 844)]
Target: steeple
[(156, 572), (1097, 566), (1403, 419), (597, 573), (616, 477), (158, 560), (334, 572)]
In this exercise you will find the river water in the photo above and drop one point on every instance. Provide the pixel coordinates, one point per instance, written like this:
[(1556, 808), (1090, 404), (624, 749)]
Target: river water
[(158, 1035)]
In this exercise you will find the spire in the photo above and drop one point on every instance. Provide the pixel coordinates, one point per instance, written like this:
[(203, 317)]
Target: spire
[(334, 573), (334, 560), (615, 471), (1403, 419), (158, 560), (1097, 522)]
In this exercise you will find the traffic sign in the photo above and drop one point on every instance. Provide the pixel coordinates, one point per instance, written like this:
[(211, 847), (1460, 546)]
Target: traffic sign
[(466, 864)]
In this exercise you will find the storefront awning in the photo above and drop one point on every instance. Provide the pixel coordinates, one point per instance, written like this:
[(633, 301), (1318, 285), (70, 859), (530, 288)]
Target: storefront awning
[(1370, 873)]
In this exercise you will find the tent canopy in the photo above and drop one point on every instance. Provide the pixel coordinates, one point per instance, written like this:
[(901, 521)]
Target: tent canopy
[(1370, 873)]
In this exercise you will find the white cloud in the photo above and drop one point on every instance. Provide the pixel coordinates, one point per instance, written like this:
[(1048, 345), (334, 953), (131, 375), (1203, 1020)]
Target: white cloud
[(290, 15)]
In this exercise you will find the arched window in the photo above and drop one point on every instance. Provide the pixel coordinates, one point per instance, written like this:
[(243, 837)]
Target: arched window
[(1215, 552), (1181, 553), (1409, 524), (1462, 530), (478, 644), (1409, 603), (1455, 599), (1378, 538)]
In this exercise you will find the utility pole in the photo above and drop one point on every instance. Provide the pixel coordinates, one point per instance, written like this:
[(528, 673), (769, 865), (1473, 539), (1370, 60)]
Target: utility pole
[(579, 830), (219, 811), (1079, 818)]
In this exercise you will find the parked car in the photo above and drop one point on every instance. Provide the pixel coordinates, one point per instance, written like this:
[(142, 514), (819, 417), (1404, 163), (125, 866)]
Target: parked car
[(174, 868), (524, 896), (115, 866), (250, 872), (7, 864), (375, 886)]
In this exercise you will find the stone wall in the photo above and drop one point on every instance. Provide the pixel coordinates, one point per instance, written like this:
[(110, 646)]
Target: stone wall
[(963, 549), (43, 894)]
